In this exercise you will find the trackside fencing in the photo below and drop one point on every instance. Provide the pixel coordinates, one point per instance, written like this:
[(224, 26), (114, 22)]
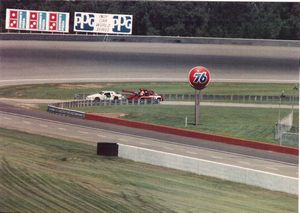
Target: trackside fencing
[(229, 98), (65, 108), (284, 125), (283, 131), (90, 103), (290, 139), (221, 98)]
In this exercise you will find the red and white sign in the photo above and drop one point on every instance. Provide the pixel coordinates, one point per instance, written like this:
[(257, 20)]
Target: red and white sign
[(33, 20), (53, 21), (13, 19), (199, 77)]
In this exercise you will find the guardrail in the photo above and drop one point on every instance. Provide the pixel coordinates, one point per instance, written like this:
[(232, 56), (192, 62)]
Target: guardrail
[(67, 112)]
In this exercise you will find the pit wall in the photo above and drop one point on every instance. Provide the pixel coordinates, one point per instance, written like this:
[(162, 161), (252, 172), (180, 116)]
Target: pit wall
[(175, 131), (228, 172), (193, 134)]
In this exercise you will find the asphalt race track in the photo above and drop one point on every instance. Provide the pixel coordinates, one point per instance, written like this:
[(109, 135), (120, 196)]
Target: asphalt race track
[(57, 61), (91, 132)]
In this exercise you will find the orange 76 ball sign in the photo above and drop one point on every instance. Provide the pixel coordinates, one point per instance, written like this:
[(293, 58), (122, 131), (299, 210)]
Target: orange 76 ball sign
[(199, 77)]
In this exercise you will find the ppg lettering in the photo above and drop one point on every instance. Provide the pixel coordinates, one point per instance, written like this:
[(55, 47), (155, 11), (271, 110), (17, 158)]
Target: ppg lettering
[(84, 21), (122, 24)]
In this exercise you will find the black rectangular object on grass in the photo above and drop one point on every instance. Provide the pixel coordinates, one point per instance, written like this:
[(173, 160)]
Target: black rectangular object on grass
[(107, 149)]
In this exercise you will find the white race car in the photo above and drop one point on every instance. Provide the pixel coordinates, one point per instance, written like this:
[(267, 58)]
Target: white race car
[(105, 95)]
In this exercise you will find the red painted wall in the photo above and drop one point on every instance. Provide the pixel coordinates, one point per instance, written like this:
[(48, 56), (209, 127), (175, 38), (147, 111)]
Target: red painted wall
[(193, 134)]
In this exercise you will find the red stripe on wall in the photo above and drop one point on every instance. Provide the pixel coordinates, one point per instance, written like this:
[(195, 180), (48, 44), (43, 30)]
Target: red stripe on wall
[(193, 134)]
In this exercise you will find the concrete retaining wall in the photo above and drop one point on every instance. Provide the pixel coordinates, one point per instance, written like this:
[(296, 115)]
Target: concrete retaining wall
[(252, 177), (155, 39)]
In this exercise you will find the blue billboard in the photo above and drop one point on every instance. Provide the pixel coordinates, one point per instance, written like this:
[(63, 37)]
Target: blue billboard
[(103, 23)]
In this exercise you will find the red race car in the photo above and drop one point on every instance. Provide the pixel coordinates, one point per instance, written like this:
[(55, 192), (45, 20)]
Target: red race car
[(144, 94)]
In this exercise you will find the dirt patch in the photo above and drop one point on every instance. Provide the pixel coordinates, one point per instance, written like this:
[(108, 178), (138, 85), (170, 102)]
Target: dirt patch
[(111, 114), (27, 103), (29, 106)]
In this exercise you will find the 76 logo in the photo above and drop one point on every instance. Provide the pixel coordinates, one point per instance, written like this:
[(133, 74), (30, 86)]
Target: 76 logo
[(200, 78)]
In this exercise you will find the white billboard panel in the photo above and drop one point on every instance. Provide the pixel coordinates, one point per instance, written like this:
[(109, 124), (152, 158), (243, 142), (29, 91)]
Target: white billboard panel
[(103, 23), (33, 20)]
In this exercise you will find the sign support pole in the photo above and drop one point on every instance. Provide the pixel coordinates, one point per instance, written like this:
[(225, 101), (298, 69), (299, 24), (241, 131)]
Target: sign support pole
[(197, 107), (199, 78)]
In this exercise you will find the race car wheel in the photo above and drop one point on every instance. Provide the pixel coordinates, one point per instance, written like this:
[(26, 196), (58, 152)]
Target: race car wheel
[(97, 99)]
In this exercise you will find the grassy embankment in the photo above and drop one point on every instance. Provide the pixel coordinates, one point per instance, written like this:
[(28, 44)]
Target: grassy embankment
[(41, 174)]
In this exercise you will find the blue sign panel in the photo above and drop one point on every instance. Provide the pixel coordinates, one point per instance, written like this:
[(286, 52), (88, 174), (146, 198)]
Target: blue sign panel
[(22, 20), (84, 22), (122, 24), (42, 21), (62, 20)]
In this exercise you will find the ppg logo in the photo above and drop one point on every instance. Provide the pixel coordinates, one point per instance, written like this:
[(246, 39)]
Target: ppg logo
[(122, 24), (84, 21)]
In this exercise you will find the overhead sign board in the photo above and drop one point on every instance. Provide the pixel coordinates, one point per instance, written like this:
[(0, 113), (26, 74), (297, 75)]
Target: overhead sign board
[(102, 23), (33, 20), (199, 77)]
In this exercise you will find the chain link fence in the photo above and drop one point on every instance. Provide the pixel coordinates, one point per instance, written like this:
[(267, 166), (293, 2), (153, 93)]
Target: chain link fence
[(286, 133), (290, 139)]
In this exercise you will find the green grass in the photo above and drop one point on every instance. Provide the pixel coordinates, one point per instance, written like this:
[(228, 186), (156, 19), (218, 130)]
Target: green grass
[(246, 123), (67, 91), (42, 174)]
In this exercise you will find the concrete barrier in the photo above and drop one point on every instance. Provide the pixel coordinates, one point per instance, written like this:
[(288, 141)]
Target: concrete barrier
[(155, 39), (233, 173)]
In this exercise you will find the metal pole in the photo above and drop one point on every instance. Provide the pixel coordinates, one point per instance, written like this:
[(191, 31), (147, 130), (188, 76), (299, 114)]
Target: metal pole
[(197, 107), (279, 109), (278, 123)]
